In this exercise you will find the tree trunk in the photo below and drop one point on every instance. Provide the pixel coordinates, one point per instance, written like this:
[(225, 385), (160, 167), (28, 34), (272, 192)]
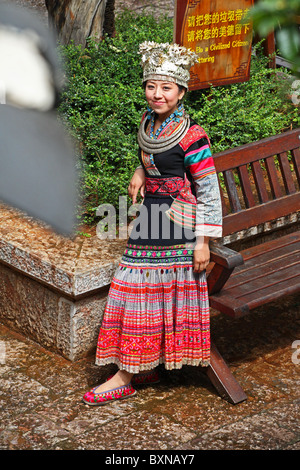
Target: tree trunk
[(76, 20)]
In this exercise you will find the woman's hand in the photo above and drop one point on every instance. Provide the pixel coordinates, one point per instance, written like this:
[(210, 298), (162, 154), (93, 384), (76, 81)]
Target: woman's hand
[(201, 254), (137, 183)]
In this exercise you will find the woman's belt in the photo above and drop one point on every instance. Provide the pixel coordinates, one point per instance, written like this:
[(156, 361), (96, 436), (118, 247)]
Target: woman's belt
[(164, 186)]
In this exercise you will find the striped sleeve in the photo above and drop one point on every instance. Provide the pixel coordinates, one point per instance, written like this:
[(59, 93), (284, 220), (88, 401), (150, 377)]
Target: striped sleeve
[(199, 162)]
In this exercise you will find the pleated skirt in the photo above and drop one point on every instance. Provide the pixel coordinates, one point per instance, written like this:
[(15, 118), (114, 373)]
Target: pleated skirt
[(157, 311)]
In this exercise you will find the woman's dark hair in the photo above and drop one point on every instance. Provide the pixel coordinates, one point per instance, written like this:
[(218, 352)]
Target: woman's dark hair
[(181, 88)]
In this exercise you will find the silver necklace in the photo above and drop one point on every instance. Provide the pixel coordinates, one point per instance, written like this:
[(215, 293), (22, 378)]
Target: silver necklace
[(154, 146)]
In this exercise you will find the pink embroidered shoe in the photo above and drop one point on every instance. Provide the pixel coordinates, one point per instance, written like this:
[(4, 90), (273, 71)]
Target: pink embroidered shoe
[(95, 399)]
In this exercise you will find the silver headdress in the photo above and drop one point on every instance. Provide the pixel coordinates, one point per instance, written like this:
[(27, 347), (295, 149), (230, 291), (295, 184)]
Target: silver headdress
[(166, 61)]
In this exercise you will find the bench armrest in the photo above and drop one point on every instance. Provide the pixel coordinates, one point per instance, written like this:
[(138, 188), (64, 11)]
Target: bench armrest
[(225, 256), (225, 260)]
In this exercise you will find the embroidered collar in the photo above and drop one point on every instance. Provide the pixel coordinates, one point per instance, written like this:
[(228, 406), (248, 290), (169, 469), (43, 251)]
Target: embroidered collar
[(152, 144)]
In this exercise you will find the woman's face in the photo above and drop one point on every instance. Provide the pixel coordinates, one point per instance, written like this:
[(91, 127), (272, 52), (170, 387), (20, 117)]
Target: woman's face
[(163, 97)]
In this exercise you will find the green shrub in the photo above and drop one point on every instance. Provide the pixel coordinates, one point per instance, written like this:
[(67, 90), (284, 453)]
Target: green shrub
[(104, 101)]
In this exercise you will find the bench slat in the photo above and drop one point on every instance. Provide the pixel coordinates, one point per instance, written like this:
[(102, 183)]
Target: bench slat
[(224, 207), (261, 214), (254, 275), (288, 240), (232, 191), (273, 291), (259, 267), (237, 307), (246, 186), (273, 178), (226, 304), (259, 181), (286, 173)]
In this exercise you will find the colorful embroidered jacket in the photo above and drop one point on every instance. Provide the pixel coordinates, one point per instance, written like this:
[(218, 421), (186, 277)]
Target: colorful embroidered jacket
[(199, 163), (190, 167)]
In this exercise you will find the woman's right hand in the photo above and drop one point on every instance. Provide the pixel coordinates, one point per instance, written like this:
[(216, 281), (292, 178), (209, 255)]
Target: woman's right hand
[(137, 183)]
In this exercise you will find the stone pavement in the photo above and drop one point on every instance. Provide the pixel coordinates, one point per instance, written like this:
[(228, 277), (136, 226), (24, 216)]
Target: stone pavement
[(41, 408), (40, 392)]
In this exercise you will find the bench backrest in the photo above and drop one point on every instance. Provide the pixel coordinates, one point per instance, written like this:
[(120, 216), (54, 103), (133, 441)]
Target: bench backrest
[(259, 181)]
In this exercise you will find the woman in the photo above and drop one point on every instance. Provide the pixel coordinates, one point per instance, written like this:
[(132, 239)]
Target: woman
[(157, 309)]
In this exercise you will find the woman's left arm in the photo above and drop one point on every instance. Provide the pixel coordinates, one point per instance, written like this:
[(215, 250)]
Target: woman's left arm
[(199, 162)]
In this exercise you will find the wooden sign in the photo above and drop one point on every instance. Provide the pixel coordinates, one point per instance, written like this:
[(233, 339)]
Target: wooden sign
[(218, 31)]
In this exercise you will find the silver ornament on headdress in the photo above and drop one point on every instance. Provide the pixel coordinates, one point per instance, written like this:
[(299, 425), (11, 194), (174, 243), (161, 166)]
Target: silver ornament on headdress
[(166, 61)]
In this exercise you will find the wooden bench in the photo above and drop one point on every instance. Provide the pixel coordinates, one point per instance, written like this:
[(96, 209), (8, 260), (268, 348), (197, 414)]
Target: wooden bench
[(261, 201)]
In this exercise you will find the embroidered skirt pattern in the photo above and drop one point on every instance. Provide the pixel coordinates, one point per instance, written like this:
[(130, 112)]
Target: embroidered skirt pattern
[(157, 311)]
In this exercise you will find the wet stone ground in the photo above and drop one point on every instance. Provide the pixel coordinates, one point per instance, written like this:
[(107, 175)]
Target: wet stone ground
[(40, 392), (41, 408)]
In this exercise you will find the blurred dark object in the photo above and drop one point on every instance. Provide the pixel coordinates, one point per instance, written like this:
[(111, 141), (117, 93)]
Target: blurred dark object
[(37, 159)]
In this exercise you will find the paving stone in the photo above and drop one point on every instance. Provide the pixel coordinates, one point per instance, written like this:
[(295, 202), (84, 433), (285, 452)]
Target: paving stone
[(136, 431), (271, 430)]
